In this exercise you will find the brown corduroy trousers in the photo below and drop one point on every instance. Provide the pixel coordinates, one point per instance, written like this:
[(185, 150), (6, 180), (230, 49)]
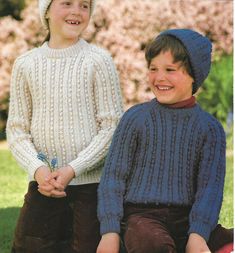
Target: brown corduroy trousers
[(163, 229), (58, 225)]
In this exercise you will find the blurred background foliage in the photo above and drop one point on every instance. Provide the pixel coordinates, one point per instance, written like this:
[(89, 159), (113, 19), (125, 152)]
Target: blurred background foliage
[(11, 7), (216, 95), (124, 28)]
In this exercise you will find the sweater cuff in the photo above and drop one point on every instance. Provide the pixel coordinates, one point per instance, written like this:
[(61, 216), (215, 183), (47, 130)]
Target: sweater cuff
[(33, 166), (77, 167), (203, 229), (109, 225)]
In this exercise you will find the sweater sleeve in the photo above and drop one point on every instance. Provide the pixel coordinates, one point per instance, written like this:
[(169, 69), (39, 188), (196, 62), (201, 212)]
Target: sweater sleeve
[(210, 182), (109, 108), (116, 170), (19, 120)]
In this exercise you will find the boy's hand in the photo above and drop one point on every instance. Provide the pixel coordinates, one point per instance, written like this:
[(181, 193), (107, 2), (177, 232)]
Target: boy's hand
[(196, 244), (44, 186), (109, 243)]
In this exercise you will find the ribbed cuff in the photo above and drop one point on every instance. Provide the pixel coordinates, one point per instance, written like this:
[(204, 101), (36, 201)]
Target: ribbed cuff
[(77, 166), (109, 225), (34, 165), (200, 228)]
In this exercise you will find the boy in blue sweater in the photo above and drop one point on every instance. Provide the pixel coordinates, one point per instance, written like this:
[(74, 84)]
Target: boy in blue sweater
[(162, 185)]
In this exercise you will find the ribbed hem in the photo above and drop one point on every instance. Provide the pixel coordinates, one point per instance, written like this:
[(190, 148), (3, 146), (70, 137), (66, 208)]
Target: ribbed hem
[(91, 177), (109, 225), (202, 229)]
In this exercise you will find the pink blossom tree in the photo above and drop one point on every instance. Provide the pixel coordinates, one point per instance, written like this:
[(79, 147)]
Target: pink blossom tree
[(124, 28)]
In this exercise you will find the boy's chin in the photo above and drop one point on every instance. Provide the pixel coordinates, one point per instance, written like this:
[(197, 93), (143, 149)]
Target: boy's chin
[(165, 101)]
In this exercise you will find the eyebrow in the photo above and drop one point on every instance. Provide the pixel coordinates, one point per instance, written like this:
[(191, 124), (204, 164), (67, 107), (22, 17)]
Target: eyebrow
[(172, 65), (167, 65)]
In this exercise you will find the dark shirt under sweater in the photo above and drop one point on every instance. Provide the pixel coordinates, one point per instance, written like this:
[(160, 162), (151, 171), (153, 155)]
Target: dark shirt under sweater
[(161, 155)]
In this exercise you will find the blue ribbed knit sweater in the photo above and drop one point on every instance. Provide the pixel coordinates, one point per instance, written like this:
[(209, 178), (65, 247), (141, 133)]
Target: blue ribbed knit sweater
[(167, 156)]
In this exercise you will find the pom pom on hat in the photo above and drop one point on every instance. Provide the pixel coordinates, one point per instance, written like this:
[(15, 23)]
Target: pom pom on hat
[(199, 50), (43, 7)]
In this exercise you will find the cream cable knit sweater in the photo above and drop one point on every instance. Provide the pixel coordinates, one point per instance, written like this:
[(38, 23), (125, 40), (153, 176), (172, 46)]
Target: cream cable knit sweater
[(65, 103)]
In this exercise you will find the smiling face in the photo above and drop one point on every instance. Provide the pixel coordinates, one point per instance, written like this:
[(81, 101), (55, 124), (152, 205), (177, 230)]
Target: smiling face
[(169, 80), (67, 20)]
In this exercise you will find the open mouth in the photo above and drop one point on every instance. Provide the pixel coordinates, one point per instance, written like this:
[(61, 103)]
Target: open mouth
[(163, 88), (71, 22)]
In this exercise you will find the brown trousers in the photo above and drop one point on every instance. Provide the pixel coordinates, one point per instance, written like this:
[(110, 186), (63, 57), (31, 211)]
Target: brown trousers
[(163, 229), (64, 225)]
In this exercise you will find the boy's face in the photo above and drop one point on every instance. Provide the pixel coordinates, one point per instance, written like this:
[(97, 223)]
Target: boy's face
[(169, 81), (67, 20)]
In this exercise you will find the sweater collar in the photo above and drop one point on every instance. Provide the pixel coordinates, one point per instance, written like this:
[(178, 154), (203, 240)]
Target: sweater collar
[(188, 103), (181, 112), (65, 52)]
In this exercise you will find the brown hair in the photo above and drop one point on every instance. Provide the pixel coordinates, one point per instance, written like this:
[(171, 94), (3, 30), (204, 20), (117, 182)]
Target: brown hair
[(165, 43)]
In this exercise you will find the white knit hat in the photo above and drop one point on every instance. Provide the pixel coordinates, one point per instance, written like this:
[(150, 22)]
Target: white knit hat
[(43, 6)]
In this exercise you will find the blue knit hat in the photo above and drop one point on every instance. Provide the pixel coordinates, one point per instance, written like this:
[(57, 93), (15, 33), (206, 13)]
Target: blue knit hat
[(199, 50)]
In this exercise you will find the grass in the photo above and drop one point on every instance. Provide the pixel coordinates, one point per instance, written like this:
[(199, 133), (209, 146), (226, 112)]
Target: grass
[(226, 214), (13, 185)]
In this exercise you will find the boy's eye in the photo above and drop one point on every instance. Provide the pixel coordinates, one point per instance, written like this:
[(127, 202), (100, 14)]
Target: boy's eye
[(152, 69), (170, 69), (66, 3)]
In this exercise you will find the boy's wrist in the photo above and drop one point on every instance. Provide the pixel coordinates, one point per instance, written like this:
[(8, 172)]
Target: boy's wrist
[(112, 238), (111, 234), (196, 243), (200, 228), (109, 243), (196, 236)]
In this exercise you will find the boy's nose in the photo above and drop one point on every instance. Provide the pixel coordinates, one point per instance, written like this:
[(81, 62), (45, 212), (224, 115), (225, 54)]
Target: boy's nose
[(160, 76)]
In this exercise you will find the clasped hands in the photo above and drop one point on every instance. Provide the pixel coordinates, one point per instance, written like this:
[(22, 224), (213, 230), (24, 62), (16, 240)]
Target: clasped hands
[(53, 184)]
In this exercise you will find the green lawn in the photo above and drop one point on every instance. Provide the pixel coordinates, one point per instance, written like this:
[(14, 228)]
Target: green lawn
[(13, 184)]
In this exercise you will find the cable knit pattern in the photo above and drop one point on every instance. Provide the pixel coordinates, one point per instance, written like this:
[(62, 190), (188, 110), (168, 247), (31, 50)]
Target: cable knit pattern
[(65, 103), (161, 155)]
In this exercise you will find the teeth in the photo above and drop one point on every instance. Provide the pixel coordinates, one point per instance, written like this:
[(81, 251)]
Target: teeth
[(163, 88), (73, 22)]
